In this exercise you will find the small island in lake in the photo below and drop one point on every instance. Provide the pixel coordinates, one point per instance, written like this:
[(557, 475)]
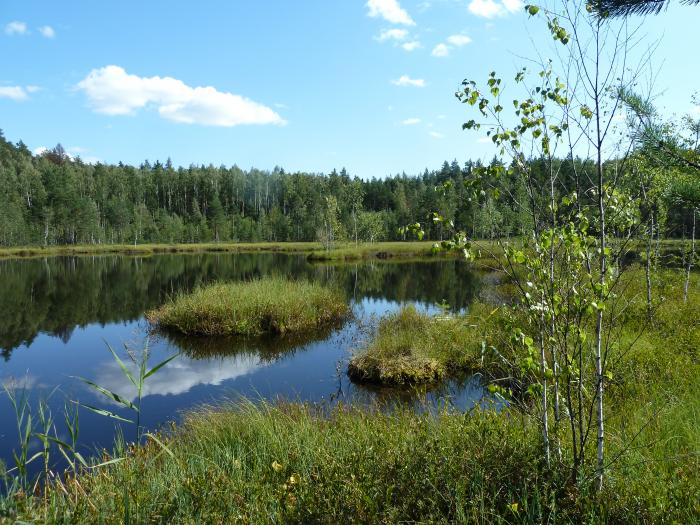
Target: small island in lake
[(270, 305)]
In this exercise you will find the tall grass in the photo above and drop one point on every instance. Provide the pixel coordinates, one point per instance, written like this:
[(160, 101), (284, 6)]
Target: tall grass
[(267, 305), (262, 463), (413, 347), (249, 463)]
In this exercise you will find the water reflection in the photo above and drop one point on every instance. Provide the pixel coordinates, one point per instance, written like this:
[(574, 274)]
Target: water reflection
[(179, 376), (56, 315), (57, 295)]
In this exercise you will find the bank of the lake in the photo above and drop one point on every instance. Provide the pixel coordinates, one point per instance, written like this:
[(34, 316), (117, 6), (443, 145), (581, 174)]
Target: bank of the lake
[(316, 251)]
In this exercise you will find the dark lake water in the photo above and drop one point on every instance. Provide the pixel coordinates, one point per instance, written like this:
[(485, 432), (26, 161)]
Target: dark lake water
[(57, 316)]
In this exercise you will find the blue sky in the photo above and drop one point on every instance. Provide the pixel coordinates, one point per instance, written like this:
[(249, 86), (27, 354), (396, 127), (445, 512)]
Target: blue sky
[(310, 85)]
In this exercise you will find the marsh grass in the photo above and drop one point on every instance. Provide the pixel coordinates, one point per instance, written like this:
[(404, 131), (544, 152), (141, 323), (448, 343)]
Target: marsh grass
[(412, 347), (13, 252), (270, 305), (262, 463), (293, 463)]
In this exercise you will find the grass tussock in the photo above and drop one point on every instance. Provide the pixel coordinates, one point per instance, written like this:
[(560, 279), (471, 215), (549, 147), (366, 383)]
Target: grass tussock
[(271, 305), (412, 347)]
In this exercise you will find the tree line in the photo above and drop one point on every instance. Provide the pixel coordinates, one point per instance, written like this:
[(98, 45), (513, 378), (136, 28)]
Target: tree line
[(53, 199)]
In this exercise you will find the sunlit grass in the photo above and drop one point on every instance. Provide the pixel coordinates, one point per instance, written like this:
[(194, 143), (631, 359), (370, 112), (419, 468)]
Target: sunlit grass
[(414, 347), (262, 306)]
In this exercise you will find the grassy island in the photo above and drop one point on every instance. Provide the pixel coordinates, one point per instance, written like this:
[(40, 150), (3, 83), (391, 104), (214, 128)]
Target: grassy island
[(271, 305), (412, 347)]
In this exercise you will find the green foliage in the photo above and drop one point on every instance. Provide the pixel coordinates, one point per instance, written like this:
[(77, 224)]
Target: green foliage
[(267, 305)]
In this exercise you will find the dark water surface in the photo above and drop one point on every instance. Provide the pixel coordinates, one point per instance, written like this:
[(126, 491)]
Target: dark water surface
[(57, 316)]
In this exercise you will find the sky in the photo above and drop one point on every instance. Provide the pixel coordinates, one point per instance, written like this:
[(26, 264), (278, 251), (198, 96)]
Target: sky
[(310, 85)]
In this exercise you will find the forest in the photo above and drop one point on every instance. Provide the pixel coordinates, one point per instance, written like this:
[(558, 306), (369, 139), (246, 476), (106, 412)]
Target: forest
[(54, 199)]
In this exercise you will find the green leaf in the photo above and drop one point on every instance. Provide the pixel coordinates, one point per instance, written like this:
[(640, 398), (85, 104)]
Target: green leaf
[(108, 393), (122, 366), (161, 444), (106, 413), (160, 365)]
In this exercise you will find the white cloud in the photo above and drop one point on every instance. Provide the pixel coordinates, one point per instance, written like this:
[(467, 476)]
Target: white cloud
[(392, 34), (47, 31), (16, 28), (411, 121), (112, 91), (441, 50), (389, 10), (513, 6), (436, 135), (484, 140), (180, 375), (695, 110), (40, 150), (459, 40), (492, 8), (16, 93), (405, 80), (32, 89), (410, 46)]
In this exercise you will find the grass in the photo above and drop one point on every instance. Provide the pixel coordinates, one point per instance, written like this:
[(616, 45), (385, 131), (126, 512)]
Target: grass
[(380, 250), (253, 464), (412, 347), (270, 305), (291, 463), (15, 252), (298, 464), (342, 251)]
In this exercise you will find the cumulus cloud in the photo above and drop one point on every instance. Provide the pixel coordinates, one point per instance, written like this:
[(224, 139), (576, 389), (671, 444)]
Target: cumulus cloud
[(112, 91), (389, 10), (411, 121), (441, 50), (16, 28), (405, 80), (179, 376), (436, 135), (494, 8), (458, 40), (410, 46), (392, 34), (16, 93), (47, 31)]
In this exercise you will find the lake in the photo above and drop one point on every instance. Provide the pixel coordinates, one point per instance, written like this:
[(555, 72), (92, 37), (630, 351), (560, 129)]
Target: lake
[(57, 316)]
